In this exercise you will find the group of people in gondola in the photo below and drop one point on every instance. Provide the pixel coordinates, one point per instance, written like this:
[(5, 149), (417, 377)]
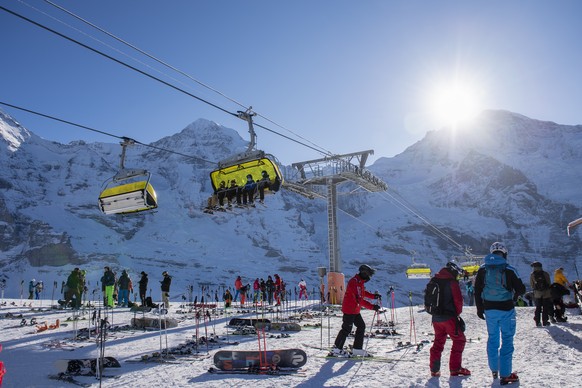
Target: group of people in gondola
[(244, 195)]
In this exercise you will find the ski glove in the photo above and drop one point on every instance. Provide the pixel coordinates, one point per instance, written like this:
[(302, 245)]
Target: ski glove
[(480, 314)]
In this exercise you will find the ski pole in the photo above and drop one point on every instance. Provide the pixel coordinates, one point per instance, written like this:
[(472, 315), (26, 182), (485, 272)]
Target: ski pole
[(412, 323), (370, 335)]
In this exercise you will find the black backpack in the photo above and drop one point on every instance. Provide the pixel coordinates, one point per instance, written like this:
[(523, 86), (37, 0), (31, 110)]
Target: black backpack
[(540, 282), (433, 296)]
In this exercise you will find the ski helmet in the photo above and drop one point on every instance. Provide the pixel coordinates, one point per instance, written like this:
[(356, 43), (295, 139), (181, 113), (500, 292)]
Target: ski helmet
[(366, 272), (498, 247), (455, 269)]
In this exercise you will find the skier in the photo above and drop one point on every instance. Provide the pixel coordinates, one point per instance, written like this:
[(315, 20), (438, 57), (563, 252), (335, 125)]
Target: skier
[(278, 289), (108, 281), (270, 285), (558, 292), (539, 281), (221, 193), (470, 293), (74, 295), (302, 289), (31, 288), (497, 285), (38, 289), (248, 192), (243, 294), (237, 286), (560, 278), (124, 288), (265, 183), (449, 323), (166, 289), (263, 286), (143, 288), (227, 297), (233, 192), (354, 299), (256, 290)]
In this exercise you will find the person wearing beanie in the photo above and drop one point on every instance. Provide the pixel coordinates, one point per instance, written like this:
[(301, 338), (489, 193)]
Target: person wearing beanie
[(143, 287), (166, 282), (539, 281)]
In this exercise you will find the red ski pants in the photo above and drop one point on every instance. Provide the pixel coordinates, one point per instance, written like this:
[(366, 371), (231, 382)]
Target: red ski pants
[(441, 330)]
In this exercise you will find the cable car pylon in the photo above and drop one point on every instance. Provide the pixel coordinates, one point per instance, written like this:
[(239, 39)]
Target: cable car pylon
[(330, 172)]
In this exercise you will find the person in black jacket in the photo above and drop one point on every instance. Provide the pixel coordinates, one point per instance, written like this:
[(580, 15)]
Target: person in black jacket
[(448, 322), (497, 287), (166, 289), (143, 287)]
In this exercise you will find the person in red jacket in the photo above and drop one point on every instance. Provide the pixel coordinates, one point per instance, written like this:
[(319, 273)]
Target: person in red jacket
[(448, 322), (354, 300), (278, 289)]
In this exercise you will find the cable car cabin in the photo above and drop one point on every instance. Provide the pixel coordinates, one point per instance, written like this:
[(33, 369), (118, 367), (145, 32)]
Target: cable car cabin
[(470, 267), (470, 264), (418, 271), (257, 168), (128, 198)]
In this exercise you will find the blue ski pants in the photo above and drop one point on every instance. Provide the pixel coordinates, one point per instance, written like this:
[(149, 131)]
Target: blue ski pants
[(500, 326)]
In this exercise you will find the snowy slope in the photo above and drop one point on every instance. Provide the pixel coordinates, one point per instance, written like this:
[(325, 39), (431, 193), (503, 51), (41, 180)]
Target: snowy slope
[(543, 357)]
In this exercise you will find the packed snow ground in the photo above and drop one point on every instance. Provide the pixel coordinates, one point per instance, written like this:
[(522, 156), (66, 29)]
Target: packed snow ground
[(544, 357)]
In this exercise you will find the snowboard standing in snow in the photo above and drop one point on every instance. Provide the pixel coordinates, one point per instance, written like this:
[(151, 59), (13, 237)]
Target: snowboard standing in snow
[(87, 366), (243, 360)]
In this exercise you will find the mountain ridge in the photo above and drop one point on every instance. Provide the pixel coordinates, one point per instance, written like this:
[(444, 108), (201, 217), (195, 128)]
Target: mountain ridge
[(469, 193)]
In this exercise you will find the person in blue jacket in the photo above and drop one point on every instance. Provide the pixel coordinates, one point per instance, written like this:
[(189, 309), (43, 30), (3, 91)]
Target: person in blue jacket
[(497, 287)]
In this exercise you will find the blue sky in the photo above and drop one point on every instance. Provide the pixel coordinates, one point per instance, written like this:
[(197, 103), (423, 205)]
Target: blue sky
[(344, 75)]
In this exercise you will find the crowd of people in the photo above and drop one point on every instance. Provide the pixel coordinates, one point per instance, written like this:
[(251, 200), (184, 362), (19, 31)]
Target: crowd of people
[(496, 290), (270, 291), (116, 291)]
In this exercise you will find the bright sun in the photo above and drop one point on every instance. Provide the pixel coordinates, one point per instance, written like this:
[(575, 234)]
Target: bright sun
[(454, 103)]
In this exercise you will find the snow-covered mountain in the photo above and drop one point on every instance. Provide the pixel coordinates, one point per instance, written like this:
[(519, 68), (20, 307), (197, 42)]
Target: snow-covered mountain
[(505, 177)]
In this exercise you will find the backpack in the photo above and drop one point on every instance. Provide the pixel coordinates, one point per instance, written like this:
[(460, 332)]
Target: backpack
[(540, 282), (495, 287), (433, 296)]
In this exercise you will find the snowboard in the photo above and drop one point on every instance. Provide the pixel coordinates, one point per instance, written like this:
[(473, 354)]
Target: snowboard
[(84, 366), (278, 326), (246, 321), (243, 360)]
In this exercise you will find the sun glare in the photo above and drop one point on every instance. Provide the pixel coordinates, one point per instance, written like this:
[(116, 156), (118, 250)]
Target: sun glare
[(455, 103)]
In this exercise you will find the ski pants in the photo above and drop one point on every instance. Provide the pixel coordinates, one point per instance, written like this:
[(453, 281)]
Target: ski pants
[(543, 307), (500, 326), (449, 327), (348, 321), (303, 292), (123, 297), (109, 295), (142, 296), (166, 299), (236, 293)]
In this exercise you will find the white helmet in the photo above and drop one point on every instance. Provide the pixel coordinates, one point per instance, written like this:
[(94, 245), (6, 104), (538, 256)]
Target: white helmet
[(498, 247)]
